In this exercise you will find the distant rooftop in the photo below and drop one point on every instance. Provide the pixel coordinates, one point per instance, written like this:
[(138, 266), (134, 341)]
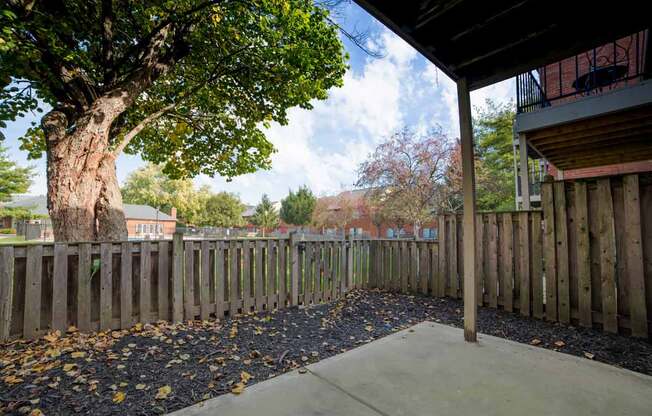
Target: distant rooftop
[(37, 204)]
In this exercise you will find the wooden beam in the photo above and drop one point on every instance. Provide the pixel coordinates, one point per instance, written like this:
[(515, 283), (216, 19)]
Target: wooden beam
[(468, 187), (524, 172)]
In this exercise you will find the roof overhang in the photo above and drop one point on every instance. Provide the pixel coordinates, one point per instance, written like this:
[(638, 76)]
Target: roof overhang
[(490, 41)]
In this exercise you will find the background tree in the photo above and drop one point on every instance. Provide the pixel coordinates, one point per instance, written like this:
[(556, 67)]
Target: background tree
[(150, 186), (406, 173), (13, 178), (334, 212), (187, 83), (493, 131), (265, 215), (223, 210), (297, 207)]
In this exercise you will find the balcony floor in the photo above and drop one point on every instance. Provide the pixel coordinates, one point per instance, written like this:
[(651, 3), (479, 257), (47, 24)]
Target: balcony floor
[(428, 369)]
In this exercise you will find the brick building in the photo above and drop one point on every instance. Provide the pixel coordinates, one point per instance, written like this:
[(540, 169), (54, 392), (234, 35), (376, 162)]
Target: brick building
[(143, 221), (595, 98), (363, 224)]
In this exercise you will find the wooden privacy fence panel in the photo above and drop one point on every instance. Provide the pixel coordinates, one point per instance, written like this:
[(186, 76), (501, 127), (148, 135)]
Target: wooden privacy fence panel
[(114, 285), (602, 265), (585, 258)]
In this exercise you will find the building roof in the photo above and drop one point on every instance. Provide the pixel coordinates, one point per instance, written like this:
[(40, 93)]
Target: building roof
[(37, 204), (489, 41)]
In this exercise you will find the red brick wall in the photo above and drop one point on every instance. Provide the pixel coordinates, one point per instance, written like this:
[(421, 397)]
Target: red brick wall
[(168, 227), (626, 53)]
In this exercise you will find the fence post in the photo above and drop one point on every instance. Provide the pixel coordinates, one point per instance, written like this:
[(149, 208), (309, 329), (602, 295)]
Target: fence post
[(349, 264), (294, 269), (177, 277)]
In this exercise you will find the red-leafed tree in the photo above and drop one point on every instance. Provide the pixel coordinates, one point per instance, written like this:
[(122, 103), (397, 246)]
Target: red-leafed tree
[(406, 174)]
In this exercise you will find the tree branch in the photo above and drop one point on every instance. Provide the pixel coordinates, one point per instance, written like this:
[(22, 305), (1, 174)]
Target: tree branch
[(107, 41), (139, 127)]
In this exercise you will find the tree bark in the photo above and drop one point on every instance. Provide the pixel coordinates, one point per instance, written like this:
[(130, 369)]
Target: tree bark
[(84, 198)]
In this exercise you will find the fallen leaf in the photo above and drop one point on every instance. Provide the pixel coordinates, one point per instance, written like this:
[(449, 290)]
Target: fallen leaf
[(36, 412), (238, 388), (119, 397), (245, 377), (559, 344), (140, 386), (78, 354), (69, 367), (589, 355), (535, 341), (163, 392)]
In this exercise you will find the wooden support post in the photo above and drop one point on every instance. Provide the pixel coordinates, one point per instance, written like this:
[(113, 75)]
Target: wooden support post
[(524, 172), (468, 187)]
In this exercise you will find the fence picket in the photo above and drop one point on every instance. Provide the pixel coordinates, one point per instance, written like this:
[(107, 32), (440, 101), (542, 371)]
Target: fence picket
[(163, 287), (126, 286), (106, 286), (282, 280), (271, 275), (549, 250), (84, 287), (220, 280), (492, 254), (537, 266), (234, 277), (60, 288), (507, 261), (561, 233), (443, 268), (145, 288), (205, 281), (6, 290), (424, 267), (634, 256), (189, 282), (583, 254), (524, 258), (608, 256), (248, 277), (479, 258)]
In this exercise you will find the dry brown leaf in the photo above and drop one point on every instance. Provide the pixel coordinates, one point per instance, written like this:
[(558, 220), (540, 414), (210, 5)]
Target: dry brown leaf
[(140, 386), (69, 367), (238, 388), (78, 354), (589, 355), (559, 344), (36, 412), (163, 392), (535, 341), (245, 377), (119, 397)]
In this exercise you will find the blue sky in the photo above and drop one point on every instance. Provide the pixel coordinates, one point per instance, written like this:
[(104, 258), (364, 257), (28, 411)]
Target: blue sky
[(322, 148)]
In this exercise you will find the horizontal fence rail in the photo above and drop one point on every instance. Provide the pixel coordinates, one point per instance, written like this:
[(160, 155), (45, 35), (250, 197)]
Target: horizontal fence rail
[(114, 285)]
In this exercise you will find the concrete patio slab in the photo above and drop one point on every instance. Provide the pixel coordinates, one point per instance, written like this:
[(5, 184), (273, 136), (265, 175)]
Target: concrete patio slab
[(429, 370)]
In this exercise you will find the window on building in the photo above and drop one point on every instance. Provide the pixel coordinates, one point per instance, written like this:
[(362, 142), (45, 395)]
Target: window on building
[(390, 233)]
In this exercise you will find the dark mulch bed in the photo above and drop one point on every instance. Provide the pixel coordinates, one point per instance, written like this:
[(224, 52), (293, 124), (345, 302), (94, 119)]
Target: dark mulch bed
[(125, 371)]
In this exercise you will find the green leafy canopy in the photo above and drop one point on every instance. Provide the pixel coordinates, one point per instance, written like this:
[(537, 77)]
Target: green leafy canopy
[(13, 178), (265, 215), (298, 206), (229, 68)]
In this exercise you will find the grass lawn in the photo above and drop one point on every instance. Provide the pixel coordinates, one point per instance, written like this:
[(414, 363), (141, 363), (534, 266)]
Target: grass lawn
[(14, 239)]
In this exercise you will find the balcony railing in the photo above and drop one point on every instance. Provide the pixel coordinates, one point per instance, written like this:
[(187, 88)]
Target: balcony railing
[(610, 66)]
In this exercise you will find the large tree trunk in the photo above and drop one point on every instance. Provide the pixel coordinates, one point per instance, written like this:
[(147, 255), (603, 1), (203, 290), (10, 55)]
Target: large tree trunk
[(84, 198)]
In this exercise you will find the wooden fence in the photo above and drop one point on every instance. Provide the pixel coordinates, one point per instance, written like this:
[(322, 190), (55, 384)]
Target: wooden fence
[(585, 258), (102, 286)]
